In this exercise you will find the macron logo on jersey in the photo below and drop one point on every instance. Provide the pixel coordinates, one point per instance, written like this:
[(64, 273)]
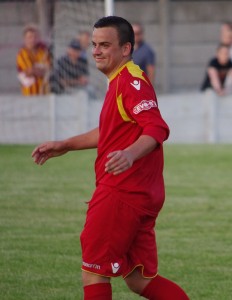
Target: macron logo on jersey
[(144, 105), (136, 84), (115, 267)]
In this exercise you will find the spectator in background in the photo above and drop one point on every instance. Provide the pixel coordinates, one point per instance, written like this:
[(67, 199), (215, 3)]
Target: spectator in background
[(143, 54), (219, 72), (226, 35), (84, 38), (70, 71), (33, 63)]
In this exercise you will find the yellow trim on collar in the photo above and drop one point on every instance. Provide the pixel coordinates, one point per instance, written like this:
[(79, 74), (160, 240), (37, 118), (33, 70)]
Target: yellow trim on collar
[(133, 69)]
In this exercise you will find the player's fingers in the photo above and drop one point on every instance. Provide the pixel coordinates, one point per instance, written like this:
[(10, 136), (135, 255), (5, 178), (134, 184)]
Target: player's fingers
[(34, 152), (37, 159), (47, 146), (43, 159), (119, 162), (113, 157), (112, 164), (118, 167), (40, 158), (112, 154)]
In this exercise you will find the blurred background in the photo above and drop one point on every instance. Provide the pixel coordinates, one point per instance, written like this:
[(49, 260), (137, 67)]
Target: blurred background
[(184, 35)]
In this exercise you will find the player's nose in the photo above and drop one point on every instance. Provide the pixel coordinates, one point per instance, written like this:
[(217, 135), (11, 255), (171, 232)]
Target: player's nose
[(96, 50)]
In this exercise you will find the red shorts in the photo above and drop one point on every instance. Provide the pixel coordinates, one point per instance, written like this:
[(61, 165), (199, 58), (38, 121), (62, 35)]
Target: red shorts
[(117, 238)]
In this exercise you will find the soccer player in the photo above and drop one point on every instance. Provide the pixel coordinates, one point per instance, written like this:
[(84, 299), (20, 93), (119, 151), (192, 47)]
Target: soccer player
[(118, 238)]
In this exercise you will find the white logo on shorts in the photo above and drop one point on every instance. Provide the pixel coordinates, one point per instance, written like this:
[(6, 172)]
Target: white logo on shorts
[(115, 267)]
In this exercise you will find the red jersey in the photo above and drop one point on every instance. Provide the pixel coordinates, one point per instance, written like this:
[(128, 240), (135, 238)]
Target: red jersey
[(130, 110)]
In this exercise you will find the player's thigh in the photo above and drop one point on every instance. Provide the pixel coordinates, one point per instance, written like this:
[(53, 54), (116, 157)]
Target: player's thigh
[(142, 254), (110, 219), (110, 229)]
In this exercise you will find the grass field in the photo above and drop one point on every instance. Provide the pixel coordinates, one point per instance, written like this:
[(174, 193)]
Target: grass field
[(42, 210)]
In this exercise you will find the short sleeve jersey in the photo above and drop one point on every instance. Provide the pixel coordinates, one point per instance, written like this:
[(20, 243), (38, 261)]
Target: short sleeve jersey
[(222, 71), (130, 110)]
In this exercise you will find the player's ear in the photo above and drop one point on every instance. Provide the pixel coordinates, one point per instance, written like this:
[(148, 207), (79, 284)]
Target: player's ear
[(126, 49)]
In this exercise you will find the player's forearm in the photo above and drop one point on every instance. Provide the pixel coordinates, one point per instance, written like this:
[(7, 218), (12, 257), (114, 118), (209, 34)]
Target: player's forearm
[(144, 145), (87, 140)]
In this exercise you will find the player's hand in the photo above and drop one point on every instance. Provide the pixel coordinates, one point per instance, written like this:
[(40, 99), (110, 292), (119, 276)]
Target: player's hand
[(119, 161), (47, 150)]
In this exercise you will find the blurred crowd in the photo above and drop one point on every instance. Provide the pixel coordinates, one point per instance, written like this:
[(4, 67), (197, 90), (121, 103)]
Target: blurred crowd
[(39, 73)]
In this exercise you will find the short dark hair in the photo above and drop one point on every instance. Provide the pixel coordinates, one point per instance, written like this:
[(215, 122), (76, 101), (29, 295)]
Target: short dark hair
[(123, 27)]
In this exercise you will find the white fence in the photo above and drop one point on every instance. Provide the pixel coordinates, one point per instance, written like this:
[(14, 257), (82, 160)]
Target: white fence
[(197, 117), (193, 118)]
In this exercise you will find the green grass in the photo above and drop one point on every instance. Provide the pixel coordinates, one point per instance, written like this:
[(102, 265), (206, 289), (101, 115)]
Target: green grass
[(42, 211)]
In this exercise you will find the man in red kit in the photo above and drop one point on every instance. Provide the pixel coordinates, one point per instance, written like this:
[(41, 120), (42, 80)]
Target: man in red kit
[(118, 238)]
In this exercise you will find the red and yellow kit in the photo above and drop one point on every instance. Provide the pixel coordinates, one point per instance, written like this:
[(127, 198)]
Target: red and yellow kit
[(118, 235), (130, 112), (26, 59)]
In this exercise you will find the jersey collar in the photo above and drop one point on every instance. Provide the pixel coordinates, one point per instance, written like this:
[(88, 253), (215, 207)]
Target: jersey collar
[(128, 64)]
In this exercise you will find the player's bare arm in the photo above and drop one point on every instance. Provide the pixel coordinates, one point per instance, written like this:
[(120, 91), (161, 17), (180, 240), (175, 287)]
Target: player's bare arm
[(121, 160), (51, 149)]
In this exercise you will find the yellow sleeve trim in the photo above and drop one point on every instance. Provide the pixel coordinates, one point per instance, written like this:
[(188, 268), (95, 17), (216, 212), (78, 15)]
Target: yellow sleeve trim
[(122, 111)]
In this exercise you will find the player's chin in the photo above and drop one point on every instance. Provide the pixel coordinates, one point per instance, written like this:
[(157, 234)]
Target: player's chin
[(101, 67)]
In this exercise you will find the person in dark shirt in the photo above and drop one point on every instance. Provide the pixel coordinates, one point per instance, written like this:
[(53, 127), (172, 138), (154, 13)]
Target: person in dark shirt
[(143, 54), (70, 71), (219, 72)]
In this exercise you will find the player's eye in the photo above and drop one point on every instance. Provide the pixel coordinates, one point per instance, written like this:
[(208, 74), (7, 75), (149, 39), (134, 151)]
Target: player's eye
[(106, 45)]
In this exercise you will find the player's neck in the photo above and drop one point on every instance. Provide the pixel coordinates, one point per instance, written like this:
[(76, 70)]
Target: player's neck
[(118, 67)]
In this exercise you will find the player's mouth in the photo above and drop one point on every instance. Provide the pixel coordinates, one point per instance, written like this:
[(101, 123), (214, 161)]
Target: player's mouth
[(98, 59)]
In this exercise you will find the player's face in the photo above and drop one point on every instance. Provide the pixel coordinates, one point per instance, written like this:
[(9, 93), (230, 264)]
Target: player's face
[(108, 54)]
